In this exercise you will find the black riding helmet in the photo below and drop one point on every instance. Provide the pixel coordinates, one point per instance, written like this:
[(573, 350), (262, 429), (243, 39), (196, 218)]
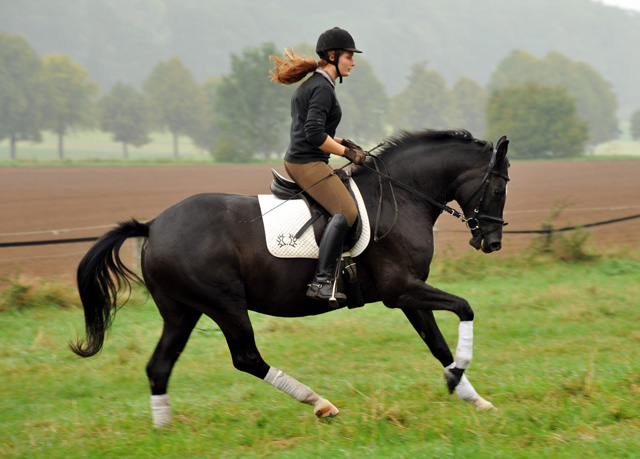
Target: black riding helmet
[(336, 39)]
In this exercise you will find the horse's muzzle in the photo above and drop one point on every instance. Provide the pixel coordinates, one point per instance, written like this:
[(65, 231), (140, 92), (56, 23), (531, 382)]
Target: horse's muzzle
[(491, 247), (487, 244)]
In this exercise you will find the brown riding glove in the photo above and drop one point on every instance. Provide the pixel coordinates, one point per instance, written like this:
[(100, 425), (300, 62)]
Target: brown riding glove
[(349, 144), (355, 156)]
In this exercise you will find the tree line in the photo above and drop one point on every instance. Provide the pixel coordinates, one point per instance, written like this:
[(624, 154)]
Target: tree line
[(549, 107)]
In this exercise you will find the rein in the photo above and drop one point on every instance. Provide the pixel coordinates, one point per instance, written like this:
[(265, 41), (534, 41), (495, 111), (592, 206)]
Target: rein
[(472, 222)]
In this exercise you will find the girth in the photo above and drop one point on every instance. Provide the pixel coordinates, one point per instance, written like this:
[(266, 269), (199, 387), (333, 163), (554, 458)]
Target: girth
[(286, 189)]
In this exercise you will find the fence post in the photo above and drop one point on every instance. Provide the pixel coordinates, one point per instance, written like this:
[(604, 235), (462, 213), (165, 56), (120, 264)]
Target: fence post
[(137, 252)]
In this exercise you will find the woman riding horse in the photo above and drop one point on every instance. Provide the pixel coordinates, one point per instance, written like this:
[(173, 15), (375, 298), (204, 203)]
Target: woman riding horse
[(315, 115), (201, 257)]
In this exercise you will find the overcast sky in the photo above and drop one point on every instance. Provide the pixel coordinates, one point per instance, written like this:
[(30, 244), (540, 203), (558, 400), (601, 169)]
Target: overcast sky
[(627, 4)]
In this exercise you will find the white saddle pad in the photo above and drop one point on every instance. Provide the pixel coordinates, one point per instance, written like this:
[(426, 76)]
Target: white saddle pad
[(283, 222)]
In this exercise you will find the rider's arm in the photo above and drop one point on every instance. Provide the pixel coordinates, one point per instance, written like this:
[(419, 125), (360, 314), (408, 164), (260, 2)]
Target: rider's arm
[(333, 146)]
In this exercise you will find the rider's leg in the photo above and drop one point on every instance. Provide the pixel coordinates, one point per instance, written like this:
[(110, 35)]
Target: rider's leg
[(322, 287), (329, 191)]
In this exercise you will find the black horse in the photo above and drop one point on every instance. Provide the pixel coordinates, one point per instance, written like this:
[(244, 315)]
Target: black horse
[(202, 257)]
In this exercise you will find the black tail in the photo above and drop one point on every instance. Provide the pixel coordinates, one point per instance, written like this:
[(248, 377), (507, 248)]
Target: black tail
[(98, 289)]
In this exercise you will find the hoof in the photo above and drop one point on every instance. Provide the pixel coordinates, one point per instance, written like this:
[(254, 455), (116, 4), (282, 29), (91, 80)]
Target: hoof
[(162, 417), (452, 377), (482, 405), (324, 409), (162, 423)]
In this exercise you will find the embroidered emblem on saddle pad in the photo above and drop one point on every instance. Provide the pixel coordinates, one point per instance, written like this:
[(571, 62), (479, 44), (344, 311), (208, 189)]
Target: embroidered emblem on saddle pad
[(283, 220)]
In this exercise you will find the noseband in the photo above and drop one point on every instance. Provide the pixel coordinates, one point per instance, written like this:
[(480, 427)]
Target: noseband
[(472, 221)]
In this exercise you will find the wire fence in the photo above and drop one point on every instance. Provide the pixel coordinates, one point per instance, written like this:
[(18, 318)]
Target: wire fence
[(549, 230)]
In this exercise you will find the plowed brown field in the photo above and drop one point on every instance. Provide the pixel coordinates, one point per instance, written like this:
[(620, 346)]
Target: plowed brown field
[(40, 203)]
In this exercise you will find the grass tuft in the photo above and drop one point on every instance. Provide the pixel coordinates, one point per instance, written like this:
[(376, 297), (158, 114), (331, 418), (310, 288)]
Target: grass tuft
[(24, 293)]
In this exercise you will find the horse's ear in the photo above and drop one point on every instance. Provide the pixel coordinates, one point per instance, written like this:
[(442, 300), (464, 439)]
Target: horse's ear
[(501, 149)]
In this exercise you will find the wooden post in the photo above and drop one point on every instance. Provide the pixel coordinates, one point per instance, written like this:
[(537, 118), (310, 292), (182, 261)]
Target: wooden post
[(137, 252)]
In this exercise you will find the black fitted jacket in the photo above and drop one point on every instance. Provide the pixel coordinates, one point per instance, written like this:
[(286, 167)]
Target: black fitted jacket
[(315, 114)]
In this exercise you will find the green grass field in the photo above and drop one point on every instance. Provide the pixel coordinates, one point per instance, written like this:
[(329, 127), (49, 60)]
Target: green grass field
[(97, 146), (556, 350)]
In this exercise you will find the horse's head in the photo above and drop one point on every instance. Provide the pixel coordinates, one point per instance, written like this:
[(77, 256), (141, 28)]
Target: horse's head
[(483, 198)]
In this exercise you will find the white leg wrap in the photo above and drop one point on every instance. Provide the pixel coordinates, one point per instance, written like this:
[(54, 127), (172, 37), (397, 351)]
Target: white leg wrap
[(464, 351), (466, 392), (280, 380), (160, 410)]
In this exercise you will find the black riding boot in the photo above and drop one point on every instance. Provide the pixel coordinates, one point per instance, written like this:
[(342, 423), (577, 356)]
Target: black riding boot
[(330, 249)]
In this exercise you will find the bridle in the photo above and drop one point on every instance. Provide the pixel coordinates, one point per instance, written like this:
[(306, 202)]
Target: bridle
[(472, 221)]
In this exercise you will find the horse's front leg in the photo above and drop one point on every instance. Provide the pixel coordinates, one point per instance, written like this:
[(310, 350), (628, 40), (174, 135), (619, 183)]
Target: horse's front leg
[(417, 302)]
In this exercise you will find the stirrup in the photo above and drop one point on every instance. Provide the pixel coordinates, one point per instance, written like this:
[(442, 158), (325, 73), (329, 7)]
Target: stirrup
[(326, 292)]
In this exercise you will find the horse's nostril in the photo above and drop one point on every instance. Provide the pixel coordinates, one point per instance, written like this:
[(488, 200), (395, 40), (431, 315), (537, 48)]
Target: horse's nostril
[(495, 246)]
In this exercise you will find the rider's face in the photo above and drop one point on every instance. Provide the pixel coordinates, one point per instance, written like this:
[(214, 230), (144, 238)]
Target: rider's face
[(346, 63)]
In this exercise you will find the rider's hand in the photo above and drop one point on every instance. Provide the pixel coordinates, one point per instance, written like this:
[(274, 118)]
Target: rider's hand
[(349, 144), (356, 156)]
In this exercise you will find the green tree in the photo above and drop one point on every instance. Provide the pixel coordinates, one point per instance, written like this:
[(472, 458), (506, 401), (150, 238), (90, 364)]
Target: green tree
[(127, 114), (364, 105), (541, 121), (70, 97), (206, 137), (635, 125), (20, 91), (517, 68), (596, 103), (469, 105), (425, 103), (253, 113), (179, 101)]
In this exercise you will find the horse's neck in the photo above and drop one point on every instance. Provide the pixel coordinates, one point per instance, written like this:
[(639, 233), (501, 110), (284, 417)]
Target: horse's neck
[(437, 173), (434, 174)]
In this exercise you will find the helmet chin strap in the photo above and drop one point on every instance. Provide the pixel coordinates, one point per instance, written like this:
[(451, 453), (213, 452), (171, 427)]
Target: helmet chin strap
[(336, 59)]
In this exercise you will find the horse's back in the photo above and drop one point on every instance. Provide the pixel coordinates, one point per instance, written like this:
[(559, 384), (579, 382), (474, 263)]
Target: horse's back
[(202, 232), (208, 210)]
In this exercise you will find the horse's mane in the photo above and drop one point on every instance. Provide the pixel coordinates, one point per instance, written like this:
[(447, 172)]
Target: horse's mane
[(407, 139)]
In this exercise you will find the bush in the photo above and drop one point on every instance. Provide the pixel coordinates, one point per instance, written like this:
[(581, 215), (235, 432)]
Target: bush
[(23, 293), (560, 245), (226, 151), (452, 267)]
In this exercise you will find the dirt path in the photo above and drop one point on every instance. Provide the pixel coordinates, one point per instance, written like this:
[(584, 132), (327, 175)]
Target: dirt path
[(72, 202)]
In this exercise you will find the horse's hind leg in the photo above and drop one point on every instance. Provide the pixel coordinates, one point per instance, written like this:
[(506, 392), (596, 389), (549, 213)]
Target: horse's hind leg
[(179, 321), (236, 327), (425, 324)]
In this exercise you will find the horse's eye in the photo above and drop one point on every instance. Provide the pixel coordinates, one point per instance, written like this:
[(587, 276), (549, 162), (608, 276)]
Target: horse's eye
[(498, 192)]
